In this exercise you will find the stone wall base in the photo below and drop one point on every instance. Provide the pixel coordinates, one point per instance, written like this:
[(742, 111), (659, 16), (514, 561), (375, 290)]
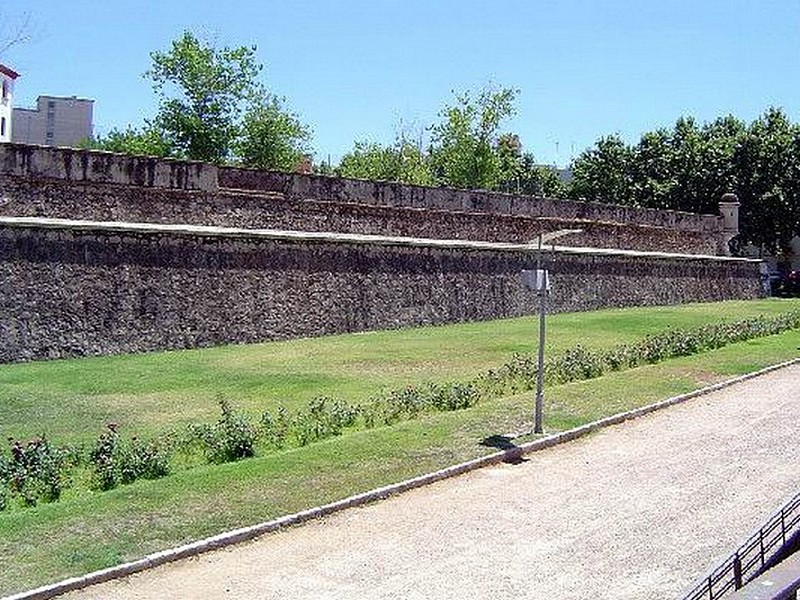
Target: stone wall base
[(75, 292)]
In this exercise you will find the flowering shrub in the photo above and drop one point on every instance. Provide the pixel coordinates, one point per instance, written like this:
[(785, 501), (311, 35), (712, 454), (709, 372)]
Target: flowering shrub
[(35, 472), (275, 430), (5, 471), (576, 363), (408, 402), (322, 418), (102, 457), (519, 374), (231, 438), (142, 460), (116, 461), (456, 396), (393, 406)]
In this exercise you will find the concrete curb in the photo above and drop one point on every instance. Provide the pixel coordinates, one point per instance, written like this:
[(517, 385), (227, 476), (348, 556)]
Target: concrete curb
[(247, 533)]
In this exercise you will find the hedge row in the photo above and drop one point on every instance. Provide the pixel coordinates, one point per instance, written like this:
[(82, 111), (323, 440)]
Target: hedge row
[(37, 471)]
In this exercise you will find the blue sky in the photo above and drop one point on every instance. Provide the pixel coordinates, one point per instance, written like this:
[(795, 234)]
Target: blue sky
[(357, 70)]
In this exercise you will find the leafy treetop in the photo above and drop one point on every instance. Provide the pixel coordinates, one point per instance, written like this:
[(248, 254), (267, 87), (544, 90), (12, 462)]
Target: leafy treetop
[(213, 108)]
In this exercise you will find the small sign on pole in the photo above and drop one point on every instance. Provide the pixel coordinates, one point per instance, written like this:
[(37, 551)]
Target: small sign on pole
[(536, 280), (539, 281)]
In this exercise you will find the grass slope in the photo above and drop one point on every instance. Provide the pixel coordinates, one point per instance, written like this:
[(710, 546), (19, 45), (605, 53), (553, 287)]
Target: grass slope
[(95, 530), (71, 400)]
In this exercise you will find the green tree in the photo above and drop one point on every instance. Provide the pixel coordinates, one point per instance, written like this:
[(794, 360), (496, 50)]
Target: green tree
[(466, 151), (539, 180), (202, 92), (464, 148), (371, 161), (767, 180), (213, 108), (604, 173), (522, 175), (652, 178), (271, 137), (147, 141), (687, 168), (690, 166), (404, 161)]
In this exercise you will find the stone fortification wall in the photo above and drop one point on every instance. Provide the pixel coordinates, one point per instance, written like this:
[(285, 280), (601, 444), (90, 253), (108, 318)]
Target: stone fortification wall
[(87, 167), (104, 202), (68, 290), (48, 182), (382, 193), (173, 281)]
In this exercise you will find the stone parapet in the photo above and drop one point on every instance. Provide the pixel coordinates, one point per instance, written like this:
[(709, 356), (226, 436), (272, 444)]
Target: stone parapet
[(67, 183), (382, 193), (91, 166), (270, 210)]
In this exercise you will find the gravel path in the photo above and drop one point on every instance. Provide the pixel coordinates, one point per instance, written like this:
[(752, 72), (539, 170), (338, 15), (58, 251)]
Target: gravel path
[(635, 511)]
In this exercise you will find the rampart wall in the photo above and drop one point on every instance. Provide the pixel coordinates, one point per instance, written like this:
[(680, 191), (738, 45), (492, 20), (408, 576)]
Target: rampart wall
[(172, 254), (382, 193), (47, 182), (88, 167), (72, 290)]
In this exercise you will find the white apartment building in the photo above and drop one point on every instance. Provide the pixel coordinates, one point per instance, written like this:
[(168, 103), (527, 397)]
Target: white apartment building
[(56, 121), (7, 76)]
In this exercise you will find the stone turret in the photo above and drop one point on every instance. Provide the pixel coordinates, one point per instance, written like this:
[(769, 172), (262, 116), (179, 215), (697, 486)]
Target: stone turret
[(729, 209)]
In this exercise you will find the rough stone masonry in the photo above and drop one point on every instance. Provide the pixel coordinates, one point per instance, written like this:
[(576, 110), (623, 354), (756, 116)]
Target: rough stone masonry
[(161, 254)]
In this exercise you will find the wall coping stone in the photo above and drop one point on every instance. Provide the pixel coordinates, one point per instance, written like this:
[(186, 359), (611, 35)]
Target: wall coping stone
[(336, 238)]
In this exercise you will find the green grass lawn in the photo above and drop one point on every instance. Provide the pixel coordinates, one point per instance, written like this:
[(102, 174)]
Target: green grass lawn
[(71, 400)]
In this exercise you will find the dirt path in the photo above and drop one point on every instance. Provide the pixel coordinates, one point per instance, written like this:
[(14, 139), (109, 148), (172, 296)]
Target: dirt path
[(635, 511)]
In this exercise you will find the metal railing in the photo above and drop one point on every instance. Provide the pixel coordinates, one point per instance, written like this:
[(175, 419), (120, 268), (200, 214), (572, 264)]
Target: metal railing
[(781, 582), (753, 557)]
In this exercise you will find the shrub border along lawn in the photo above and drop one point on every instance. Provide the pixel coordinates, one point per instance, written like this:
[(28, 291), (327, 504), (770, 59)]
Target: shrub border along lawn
[(37, 471), (236, 536)]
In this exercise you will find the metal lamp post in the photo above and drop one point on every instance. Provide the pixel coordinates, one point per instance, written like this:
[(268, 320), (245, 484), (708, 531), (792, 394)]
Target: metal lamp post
[(542, 288)]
